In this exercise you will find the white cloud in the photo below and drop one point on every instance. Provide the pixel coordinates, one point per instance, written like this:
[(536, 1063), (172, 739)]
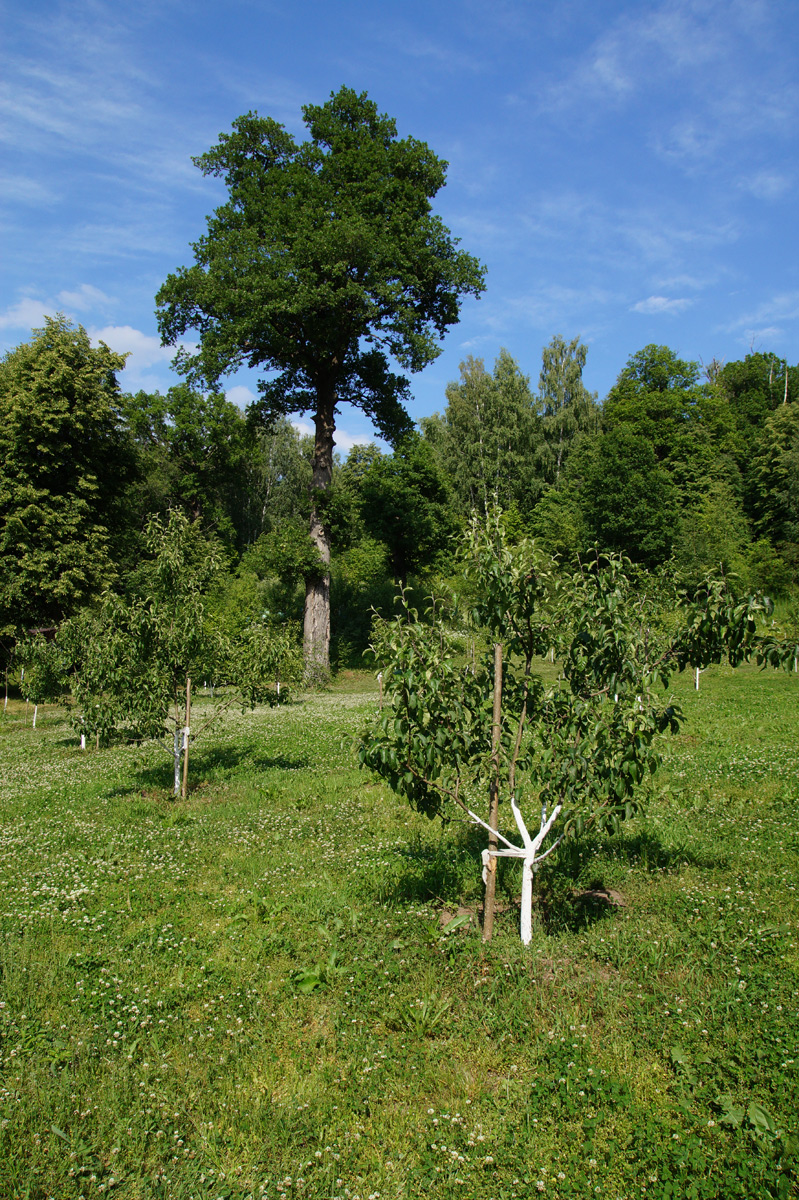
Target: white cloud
[(240, 395), (765, 325), (304, 428), (764, 319), (759, 339), (144, 352), (342, 440), (26, 314), (145, 349), (29, 313), (345, 441), (766, 185), (661, 304), (21, 189), (694, 282), (86, 297)]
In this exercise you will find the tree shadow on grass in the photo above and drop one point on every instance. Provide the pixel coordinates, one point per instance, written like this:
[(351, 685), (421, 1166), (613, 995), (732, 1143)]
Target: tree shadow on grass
[(645, 849), (218, 761), (571, 890)]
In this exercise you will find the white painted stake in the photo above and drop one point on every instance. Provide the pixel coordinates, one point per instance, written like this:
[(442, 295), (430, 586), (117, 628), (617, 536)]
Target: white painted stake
[(35, 710), (83, 741), (696, 680)]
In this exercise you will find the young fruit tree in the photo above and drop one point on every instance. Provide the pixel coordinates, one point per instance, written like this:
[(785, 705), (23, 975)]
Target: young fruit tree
[(563, 756), (132, 664), (325, 264)]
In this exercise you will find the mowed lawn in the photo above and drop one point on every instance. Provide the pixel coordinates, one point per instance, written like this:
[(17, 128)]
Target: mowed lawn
[(277, 987)]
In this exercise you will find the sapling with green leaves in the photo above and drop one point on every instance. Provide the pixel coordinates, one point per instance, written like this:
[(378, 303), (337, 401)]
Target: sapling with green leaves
[(575, 753), (134, 660), (42, 671)]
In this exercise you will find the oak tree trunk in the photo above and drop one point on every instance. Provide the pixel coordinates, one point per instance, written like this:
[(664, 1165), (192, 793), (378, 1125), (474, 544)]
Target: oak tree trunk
[(316, 628)]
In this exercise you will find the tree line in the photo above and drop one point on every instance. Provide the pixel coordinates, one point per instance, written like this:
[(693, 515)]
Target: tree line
[(699, 471), (327, 270)]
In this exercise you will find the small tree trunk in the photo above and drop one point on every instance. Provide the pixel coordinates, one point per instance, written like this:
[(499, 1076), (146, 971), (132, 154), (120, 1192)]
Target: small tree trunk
[(176, 752), (526, 923), (185, 787), (696, 680), (83, 740), (493, 808), (35, 710)]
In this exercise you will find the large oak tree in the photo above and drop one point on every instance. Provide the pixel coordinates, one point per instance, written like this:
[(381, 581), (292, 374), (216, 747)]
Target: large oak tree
[(325, 262)]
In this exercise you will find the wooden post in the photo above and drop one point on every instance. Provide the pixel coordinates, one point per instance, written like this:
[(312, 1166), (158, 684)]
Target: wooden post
[(493, 808), (186, 729)]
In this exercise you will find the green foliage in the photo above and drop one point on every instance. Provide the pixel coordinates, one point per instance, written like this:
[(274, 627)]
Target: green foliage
[(404, 502), (131, 660), (488, 436), (63, 464), (658, 398), (558, 523), (567, 407), (775, 468), (45, 669), (629, 502), (193, 454), (334, 220), (713, 536), (583, 745)]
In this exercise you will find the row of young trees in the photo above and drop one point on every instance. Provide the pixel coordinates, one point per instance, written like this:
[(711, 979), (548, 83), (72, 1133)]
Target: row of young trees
[(125, 666)]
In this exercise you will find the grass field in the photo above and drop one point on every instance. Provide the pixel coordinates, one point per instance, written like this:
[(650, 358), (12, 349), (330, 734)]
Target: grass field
[(254, 993)]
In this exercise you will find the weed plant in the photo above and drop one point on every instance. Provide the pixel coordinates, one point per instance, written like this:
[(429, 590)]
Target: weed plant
[(277, 988)]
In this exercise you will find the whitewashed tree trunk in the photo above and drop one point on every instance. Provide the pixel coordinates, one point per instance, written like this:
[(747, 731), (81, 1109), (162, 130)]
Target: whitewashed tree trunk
[(529, 852), (176, 751), (35, 711), (186, 730)]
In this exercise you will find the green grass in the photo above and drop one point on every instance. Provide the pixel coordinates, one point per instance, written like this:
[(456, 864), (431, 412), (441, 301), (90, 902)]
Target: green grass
[(252, 994)]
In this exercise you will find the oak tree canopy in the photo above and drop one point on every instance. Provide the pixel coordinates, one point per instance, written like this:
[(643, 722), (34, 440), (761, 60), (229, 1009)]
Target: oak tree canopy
[(325, 263)]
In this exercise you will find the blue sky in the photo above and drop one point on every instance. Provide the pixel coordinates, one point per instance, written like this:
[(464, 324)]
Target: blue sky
[(627, 171)]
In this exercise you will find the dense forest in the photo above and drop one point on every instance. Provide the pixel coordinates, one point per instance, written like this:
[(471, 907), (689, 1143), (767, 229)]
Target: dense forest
[(695, 468)]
